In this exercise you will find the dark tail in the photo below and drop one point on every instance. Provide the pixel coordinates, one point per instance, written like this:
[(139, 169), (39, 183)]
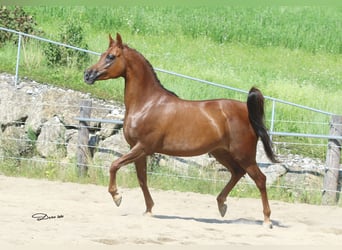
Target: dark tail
[(255, 105)]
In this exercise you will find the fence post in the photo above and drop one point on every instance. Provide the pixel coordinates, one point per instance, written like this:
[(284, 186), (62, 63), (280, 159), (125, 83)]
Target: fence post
[(16, 80), (272, 118), (83, 152), (331, 176)]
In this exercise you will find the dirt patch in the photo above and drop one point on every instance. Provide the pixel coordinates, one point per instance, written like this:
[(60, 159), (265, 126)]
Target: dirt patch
[(68, 213)]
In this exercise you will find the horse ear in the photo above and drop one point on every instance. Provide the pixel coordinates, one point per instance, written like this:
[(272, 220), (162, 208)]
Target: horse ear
[(111, 40), (118, 40)]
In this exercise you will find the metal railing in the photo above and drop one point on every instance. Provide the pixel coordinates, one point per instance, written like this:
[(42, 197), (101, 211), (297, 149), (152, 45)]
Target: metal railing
[(272, 99)]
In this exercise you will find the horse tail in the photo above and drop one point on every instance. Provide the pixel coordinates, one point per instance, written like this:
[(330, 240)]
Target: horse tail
[(255, 105)]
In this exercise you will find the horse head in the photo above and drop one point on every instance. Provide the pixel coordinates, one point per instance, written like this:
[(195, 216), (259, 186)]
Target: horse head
[(111, 64)]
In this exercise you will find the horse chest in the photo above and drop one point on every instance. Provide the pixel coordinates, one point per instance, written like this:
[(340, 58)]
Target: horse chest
[(134, 127)]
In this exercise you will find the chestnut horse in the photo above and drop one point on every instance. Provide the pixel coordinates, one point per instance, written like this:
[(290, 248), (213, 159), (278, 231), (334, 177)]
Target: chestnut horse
[(157, 121)]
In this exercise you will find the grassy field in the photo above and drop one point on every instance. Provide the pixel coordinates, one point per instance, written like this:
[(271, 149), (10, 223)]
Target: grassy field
[(291, 53)]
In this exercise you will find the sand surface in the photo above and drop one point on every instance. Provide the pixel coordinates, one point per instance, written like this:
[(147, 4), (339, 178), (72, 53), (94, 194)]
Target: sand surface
[(86, 215)]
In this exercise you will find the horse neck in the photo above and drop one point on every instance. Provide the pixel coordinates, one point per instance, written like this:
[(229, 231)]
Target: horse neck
[(141, 83)]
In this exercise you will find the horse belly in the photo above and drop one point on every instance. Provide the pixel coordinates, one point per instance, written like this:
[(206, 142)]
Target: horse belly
[(191, 142)]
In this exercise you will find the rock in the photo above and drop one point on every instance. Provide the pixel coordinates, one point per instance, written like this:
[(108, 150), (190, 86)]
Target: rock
[(109, 129), (261, 156), (15, 142), (274, 172), (13, 105), (53, 102), (71, 139), (181, 165), (51, 140), (111, 148)]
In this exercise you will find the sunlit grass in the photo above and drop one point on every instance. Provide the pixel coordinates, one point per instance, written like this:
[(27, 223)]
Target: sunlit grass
[(194, 180)]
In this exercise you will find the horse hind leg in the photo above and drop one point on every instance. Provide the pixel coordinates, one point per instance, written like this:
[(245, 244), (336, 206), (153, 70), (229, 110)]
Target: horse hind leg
[(236, 173), (260, 180), (222, 197)]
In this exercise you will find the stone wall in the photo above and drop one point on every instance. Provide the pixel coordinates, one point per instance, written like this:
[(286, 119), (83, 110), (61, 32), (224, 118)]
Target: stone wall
[(47, 115)]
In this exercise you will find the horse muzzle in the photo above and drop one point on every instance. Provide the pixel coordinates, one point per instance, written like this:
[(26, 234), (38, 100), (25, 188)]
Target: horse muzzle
[(90, 76)]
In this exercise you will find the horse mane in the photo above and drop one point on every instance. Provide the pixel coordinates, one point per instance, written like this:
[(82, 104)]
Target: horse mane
[(152, 69)]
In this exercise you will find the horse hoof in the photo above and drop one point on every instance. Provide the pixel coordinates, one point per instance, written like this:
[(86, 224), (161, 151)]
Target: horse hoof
[(117, 199), (223, 210), (268, 225), (148, 214)]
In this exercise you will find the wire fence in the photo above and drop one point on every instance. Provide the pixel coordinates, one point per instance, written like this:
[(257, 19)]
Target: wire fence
[(275, 101), (299, 176)]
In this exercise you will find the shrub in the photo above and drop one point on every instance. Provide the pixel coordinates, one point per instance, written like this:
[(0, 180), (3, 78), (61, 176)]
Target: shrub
[(16, 19), (71, 33)]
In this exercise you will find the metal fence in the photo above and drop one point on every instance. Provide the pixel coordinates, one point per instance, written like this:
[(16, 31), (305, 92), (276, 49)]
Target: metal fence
[(274, 101), (298, 180)]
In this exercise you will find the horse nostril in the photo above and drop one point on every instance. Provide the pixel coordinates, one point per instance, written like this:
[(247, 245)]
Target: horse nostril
[(86, 75), (90, 76)]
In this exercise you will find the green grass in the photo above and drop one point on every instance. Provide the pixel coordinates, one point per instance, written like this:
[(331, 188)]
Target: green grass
[(262, 50), (195, 180), (309, 28)]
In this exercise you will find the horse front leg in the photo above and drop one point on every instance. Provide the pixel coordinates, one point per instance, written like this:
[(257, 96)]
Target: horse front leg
[(135, 153), (140, 165)]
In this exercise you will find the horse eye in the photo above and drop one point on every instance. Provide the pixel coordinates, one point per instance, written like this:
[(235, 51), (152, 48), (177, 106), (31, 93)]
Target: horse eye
[(110, 57)]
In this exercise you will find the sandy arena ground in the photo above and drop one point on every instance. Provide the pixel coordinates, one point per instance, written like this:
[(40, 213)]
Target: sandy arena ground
[(86, 215)]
